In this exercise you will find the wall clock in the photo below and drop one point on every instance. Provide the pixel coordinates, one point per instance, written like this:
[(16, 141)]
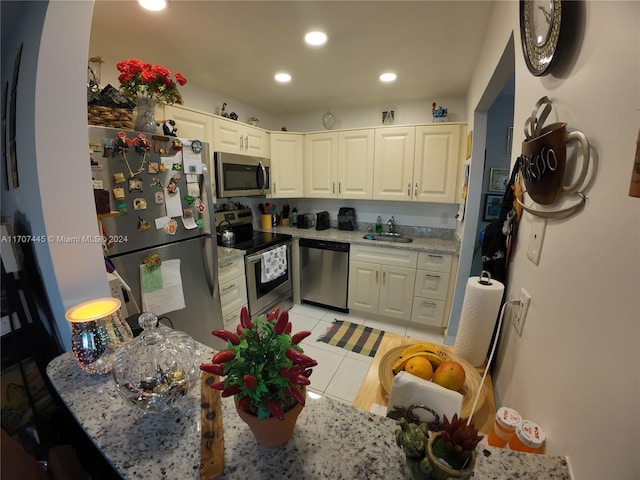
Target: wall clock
[(540, 26)]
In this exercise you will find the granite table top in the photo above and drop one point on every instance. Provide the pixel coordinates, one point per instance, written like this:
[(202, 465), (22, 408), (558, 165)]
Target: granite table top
[(332, 440)]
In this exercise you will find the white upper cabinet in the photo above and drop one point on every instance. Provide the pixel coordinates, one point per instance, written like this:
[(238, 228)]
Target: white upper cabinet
[(191, 125), (320, 165), (436, 164), (393, 165), (234, 137), (287, 156), (339, 164), (355, 164), (417, 164)]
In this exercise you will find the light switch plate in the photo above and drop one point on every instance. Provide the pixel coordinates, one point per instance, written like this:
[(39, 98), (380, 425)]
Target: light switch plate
[(538, 227)]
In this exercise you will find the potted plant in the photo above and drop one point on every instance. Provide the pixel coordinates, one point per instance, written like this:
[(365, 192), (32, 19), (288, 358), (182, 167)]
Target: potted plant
[(444, 455), (266, 371)]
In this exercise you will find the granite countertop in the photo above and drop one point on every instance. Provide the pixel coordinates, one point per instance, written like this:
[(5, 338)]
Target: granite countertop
[(421, 241), (332, 440)]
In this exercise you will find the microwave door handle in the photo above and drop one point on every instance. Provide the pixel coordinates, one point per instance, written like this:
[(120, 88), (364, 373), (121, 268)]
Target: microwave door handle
[(211, 257), (264, 177)]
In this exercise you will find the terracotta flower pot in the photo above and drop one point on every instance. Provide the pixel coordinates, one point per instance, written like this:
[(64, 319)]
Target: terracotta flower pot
[(440, 471), (272, 432)]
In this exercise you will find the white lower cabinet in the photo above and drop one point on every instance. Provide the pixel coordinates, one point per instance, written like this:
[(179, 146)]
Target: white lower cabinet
[(233, 290), (381, 281)]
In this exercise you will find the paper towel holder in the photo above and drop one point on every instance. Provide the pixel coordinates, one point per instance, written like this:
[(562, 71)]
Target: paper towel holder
[(485, 278)]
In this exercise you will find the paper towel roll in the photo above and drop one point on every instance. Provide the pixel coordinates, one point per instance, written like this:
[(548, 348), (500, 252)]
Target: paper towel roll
[(478, 319)]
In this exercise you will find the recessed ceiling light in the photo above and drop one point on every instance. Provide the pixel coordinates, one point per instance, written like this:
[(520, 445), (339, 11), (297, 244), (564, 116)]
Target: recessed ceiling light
[(315, 38), (282, 77), (153, 5), (388, 77)]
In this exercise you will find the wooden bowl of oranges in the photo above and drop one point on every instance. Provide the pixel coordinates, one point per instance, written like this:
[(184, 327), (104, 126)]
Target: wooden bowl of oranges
[(436, 364)]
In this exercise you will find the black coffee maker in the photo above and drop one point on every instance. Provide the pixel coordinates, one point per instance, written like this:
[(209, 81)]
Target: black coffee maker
[(347, 219)]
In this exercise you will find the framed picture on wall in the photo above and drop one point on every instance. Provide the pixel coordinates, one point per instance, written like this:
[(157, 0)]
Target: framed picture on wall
[(492, 206), (498, 179)]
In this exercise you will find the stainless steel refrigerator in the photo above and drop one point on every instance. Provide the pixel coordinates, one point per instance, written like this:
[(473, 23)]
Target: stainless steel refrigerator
[(161, 226)]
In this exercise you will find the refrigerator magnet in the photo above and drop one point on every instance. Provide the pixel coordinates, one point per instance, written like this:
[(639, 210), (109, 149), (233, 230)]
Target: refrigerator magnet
[(189, 199), (189, 223), (135, 185), (153, 167), (199, 204), (118, 177), (143, 225), (158, 198), (187, 213), (171, 227), (122, 207), (118, 193), (156, 182), (163, 167), (139, 204), (152, 261)]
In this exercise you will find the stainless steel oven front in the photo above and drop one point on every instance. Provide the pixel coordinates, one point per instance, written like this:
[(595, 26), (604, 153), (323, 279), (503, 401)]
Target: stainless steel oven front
[(264, 296)]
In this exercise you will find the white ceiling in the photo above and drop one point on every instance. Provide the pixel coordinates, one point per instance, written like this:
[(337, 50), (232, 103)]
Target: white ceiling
[(235, 47)]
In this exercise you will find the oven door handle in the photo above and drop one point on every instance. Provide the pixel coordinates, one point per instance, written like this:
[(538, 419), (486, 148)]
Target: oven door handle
[(254, 258)]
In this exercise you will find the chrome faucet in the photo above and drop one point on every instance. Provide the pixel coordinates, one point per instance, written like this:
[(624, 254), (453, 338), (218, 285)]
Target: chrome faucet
[(391, 224)]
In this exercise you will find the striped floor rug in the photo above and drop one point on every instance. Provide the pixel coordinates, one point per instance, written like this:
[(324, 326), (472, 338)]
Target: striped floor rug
[(353, 337)]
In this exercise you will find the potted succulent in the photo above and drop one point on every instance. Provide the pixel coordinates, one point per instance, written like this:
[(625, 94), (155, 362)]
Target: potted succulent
[(447, 454), (266, 371)]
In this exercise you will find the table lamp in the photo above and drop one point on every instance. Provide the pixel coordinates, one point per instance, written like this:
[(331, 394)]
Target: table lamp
[(97, 331)]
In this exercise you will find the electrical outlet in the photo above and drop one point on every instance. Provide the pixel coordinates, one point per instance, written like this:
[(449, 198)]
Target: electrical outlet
[(521, 311), (538, 226)]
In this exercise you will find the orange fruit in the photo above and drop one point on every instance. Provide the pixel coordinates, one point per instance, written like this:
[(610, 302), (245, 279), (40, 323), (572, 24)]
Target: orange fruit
[(449, 375), (420, 367)]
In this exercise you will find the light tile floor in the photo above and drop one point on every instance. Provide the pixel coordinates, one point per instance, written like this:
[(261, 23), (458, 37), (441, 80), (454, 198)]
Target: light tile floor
[(340, 373)]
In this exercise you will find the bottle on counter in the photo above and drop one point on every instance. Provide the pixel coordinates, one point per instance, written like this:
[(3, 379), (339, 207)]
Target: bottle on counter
[(379, 225), (529, 438), (504, 427)]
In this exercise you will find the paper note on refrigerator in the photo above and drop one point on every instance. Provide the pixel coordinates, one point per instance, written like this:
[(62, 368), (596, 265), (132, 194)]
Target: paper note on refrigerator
[(173, 203), (169, 296), (192, 161)]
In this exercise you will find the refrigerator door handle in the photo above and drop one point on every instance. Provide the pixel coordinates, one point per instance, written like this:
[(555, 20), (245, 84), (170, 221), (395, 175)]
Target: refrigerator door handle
[(210, 254)]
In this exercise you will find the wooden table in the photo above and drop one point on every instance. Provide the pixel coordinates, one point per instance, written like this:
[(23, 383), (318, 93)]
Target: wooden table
[(371, 391)]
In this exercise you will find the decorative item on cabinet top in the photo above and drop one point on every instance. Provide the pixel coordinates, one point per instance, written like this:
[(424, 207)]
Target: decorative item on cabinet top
[(543, 164)]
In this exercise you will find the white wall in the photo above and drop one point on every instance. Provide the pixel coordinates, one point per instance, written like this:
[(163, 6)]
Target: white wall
[(53, 154), (584, 292)]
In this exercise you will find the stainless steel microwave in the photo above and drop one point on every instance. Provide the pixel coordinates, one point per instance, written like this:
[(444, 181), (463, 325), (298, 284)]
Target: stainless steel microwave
[(241, 175)]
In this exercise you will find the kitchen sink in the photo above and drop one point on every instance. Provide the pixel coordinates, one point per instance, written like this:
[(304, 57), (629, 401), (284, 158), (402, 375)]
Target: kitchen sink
[(388, 237)]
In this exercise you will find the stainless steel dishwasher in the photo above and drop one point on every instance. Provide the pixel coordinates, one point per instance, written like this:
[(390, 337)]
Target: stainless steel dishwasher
[(324, 273)]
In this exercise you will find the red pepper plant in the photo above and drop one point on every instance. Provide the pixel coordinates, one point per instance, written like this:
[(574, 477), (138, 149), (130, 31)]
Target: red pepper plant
[(139, 79), (264, 366)]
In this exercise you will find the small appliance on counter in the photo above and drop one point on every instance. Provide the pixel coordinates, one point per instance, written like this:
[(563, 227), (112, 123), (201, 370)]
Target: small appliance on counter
[(305, 220), (323, 221), (347, 219)]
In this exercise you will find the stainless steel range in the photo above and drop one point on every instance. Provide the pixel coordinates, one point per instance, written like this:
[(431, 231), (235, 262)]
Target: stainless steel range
[(267, 261)]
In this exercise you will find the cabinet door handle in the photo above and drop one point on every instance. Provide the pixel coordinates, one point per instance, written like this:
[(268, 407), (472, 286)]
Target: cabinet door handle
[(225, 265), (246, 142), (429, 304), (416, 191), (409, 189), (384, 274), (229, 287), (377, 277), (333, 188), (241, 142), (431, 275), (339, 187)]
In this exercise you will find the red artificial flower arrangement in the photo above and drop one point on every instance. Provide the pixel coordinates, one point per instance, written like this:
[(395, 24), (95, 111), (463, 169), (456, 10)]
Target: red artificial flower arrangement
[(139, 79), (265, 367)]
